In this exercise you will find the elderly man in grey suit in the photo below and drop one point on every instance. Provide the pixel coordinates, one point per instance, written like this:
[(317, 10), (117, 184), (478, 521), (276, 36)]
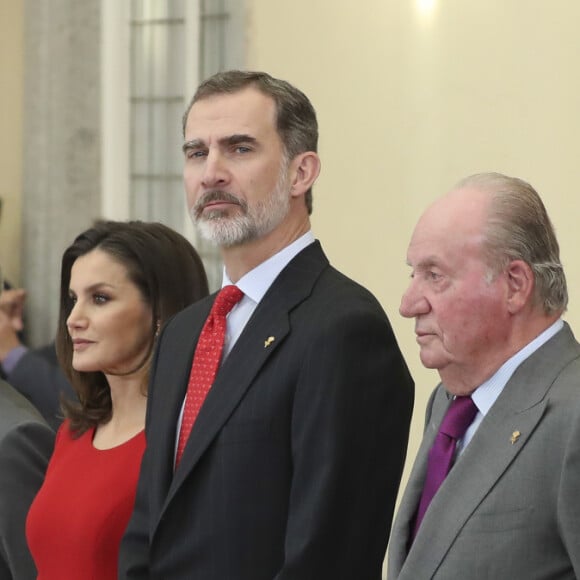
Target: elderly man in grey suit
[(26, 443), (487, 293)]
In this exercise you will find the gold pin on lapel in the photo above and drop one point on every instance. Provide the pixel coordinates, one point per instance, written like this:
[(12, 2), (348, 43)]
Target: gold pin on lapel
[(269, 341), (515, 436)]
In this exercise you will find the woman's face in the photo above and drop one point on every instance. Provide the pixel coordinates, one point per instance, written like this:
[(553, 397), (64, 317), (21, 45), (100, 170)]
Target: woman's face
[(110, 323)]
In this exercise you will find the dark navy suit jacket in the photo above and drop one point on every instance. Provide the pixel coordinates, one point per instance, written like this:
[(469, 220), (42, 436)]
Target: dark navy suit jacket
[(293, 465)]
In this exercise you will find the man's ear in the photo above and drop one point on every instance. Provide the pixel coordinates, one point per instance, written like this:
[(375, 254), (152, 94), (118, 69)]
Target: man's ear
[(521, 284), (304, 170)]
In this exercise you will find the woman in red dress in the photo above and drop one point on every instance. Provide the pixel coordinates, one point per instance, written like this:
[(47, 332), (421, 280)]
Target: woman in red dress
[(119, 283)]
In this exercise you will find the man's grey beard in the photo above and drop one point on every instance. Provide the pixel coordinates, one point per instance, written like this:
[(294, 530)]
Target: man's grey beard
[(249, 223)]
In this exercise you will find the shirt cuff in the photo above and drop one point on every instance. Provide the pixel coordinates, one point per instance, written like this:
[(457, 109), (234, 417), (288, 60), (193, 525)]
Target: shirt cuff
[(13, 358)]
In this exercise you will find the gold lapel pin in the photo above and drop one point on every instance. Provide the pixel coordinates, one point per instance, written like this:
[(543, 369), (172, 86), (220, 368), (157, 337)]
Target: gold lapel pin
[(269, 341), (515, 436)]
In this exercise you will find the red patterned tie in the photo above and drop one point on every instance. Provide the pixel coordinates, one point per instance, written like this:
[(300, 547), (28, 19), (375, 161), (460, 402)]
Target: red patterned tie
[(206, 361), (459, 416)]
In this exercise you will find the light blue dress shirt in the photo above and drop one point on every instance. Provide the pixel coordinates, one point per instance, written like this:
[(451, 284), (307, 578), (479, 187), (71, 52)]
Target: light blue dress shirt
[(254, 285), (487, 393)]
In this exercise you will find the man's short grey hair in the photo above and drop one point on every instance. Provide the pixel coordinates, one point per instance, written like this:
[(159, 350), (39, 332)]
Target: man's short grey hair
[(518, 228)]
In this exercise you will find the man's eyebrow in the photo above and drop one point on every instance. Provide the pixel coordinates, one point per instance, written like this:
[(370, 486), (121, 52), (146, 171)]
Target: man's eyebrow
[(192, 144), (424, 264), (238, 138), (428, 262), (235, 139)]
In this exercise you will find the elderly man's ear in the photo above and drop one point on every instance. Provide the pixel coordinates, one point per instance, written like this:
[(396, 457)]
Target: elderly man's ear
[(520, 279)]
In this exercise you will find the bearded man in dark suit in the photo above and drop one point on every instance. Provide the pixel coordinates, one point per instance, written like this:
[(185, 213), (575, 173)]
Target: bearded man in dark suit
[(292, 466)]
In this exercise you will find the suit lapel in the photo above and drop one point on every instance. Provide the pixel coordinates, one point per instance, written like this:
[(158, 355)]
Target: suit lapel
[(480, 466), (243, 364), (412, 494), (519, 408)]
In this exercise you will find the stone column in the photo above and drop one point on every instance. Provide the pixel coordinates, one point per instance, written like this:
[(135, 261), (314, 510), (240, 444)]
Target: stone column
[(61, 146)]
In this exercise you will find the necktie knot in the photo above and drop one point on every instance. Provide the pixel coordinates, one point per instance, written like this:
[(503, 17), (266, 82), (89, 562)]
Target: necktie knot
[(227, 298), (459, 416)]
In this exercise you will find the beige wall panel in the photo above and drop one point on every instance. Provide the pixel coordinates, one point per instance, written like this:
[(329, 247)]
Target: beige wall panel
[(11, 58), (410, 101)]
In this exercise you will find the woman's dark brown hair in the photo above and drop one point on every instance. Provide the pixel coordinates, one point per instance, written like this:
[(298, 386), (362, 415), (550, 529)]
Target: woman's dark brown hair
[(167, 271)]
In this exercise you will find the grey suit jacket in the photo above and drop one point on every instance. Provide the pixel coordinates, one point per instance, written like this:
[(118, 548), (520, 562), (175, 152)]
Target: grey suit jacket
[(293, 464), (26, 443), (510, 507), (40, 379)]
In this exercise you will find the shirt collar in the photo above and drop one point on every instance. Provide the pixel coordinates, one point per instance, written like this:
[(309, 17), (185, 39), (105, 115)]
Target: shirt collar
[(255, 283), (488, 392)]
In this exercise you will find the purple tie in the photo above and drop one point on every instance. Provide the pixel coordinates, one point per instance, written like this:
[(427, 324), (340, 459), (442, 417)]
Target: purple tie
[(459, 416)]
